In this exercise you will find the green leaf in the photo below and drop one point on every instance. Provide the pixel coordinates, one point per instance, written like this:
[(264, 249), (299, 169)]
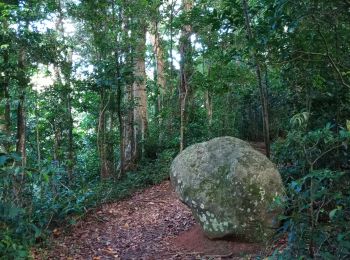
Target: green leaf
[(332, 213), (3, 159), (4, 46)]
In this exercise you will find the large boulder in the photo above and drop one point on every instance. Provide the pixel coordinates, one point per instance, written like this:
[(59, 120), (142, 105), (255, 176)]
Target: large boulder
[(230, 188)]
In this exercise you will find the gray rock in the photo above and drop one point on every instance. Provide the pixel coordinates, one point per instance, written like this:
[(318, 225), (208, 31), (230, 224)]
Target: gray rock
[(230, 188)]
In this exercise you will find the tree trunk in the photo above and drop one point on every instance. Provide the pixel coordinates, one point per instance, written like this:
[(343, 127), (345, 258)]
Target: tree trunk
[(185, 71), (209, 106), (261, 82), (70, 126), (140, 95), (70, 162), (7, 96), (135, 120), (5, 119), (127, 117), (105, 136), (64, 72), (37, 132), (121, 167), (117, 18), (128, 132), (21, 113), (57, 143), (3, 134), (159, 55), (5, 112), (159, 74)]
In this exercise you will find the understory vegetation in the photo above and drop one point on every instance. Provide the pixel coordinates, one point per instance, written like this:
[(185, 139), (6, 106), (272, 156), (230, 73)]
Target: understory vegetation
[(97, 98)]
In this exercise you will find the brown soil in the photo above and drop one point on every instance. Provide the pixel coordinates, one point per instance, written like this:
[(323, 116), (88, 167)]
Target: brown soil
[(195, 241), (153, 224)]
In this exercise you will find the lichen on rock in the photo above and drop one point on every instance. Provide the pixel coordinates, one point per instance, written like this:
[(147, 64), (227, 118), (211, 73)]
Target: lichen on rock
[(229, 187)]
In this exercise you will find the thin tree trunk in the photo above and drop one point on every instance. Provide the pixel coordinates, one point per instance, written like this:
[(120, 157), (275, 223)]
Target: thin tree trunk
[(159, 54), (101, 132), (7, 115), (118, 31), (159, 74), (70, 139), (2, 130), (70, 166), (57, 143), (21, 114), (171, 45), (185, 71), (5, 120), (207, 97), (261, 82), (104, 137), (120, 118), (65, 72), (209, 107), (21, 130), (37, 133)]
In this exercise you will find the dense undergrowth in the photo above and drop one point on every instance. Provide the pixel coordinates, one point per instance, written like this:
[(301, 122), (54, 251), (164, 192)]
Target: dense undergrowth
[(315, 168), (46, 200)]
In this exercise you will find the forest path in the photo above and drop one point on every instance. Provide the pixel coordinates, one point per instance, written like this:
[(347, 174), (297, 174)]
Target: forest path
[(152, 224)]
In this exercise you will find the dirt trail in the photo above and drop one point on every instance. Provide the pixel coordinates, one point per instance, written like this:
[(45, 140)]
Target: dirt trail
[(152, 224)]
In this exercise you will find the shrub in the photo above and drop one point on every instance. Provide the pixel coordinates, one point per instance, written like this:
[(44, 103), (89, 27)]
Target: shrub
[(314, 167)]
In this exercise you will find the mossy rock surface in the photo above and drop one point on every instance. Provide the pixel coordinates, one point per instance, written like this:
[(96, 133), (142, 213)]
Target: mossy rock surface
[(230, 188)]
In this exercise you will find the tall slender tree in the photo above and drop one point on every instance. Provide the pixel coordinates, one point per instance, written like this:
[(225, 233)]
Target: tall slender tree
[(260, 79), (185, 68)]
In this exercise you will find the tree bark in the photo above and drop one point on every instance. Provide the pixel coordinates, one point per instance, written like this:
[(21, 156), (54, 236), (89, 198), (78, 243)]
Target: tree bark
[(159, 55), (159, 74), (70, 126), (117, 18), (140, 95), (21, 112), (209, 106), (185, 70), (135, 119), (261, 82), (70, 166), (127, 117), (57, 142), (5, 115), (38, 151), (105, 136), (64, 72)]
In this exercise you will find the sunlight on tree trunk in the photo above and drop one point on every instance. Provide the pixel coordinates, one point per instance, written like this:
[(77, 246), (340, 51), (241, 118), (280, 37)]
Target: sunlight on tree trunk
[(140, 95)]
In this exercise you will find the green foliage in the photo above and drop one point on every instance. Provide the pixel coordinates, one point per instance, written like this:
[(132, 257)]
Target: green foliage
[(303, 48), (318, 210), (318, 199), (29, 210), (302, 151)]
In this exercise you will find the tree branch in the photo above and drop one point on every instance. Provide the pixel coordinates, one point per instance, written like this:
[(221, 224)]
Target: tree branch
[(331, 59)]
